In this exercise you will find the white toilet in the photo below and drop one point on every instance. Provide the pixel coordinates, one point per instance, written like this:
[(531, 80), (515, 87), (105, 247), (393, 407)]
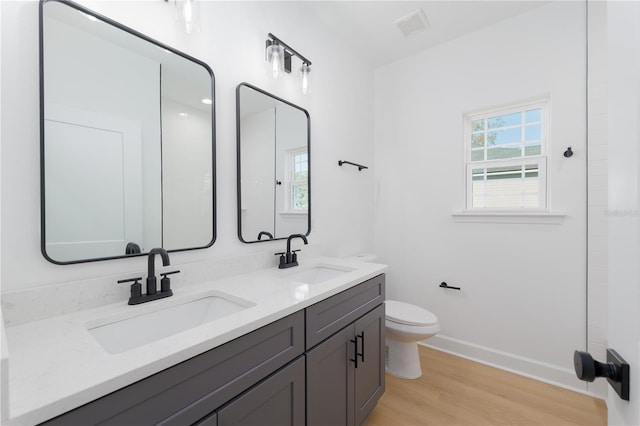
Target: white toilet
[(406, 325)]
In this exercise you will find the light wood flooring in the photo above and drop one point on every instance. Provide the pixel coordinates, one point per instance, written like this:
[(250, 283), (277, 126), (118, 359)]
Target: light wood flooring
[(456, 391)]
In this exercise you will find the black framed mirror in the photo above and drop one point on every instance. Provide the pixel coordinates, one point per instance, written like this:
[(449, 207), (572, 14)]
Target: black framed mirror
[(274, 166), (127, 140)]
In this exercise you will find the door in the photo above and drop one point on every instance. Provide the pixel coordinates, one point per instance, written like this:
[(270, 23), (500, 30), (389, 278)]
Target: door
[(369, 375), (93, 184), (624, 218), (277, 401), (330, 381)]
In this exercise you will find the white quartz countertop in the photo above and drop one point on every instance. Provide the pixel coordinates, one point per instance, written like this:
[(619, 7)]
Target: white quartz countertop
[(56, 365)]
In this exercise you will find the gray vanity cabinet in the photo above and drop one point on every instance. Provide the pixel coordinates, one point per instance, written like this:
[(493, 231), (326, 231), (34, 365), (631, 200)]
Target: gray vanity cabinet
[(345, 372), (344, 383), (298, 370)]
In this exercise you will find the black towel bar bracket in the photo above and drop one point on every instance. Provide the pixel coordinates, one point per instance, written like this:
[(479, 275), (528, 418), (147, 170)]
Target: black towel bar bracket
[(445, 285), (359, 166)]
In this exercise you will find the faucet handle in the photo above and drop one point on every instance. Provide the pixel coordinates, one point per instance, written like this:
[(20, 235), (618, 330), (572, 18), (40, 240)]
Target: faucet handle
[(136, 288), (165, 282), (282, 261)]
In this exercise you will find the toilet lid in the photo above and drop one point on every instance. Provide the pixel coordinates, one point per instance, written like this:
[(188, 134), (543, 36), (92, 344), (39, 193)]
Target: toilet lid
[(405, 313)]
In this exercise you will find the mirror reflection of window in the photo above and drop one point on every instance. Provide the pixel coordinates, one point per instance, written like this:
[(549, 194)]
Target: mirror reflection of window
[(299, 166)]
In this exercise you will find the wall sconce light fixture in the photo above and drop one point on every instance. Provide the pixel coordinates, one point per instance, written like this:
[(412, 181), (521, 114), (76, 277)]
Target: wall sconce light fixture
[(279, 54), (188, 12)]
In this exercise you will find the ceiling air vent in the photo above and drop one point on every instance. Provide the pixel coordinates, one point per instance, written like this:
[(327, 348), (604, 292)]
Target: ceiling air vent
[(412, 23)]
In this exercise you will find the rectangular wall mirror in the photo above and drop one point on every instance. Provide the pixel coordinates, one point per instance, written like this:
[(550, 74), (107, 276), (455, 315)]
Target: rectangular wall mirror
[(127, 140), (274, 187)]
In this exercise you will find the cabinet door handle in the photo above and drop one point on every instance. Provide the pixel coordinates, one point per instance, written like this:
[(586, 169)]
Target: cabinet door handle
[(355, 351), (361, 354)]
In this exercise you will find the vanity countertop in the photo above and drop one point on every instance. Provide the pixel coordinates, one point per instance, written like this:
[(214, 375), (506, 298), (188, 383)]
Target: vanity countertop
[(56, 365)]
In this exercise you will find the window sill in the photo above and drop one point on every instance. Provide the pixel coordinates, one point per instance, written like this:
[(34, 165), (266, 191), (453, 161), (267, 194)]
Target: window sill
[(545, 218)]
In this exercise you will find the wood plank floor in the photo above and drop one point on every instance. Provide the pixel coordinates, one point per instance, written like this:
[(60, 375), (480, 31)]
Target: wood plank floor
[(456, 391)]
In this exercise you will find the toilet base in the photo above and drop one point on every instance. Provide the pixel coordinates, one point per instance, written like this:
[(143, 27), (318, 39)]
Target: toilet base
[(402, 359)]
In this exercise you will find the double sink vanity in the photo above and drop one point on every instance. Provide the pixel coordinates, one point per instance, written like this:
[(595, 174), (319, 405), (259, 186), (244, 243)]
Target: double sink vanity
[(262, 348)]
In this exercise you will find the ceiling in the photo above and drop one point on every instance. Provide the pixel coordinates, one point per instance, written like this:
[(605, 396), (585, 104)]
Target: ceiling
[(368, 28)]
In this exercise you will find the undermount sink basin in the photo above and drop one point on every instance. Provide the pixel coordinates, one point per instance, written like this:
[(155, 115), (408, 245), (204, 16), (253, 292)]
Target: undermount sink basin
[(318, 274), (121, 335)]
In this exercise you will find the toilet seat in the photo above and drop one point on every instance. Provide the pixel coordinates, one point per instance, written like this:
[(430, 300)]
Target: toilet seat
[(407, 314)]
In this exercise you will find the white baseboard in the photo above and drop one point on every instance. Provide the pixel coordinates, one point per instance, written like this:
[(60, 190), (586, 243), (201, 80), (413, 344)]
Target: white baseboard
[(548, 373)]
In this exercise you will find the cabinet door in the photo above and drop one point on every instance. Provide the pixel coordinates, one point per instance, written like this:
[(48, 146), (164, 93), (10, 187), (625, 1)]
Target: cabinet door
[(330, 381), (278, 400), (369, 375)]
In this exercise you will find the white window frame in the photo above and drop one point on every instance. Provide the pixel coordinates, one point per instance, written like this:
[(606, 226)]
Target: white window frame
[(540, 160)]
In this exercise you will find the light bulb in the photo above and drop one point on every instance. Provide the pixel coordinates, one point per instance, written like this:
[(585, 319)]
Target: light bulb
[(188, 12), (275, 63), (188, 15), (275, 57), (305, 70)]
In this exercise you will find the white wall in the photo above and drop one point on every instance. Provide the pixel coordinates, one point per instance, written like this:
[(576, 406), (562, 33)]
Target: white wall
[(258, 138), (187, 202), (523, 299), (232, 43)]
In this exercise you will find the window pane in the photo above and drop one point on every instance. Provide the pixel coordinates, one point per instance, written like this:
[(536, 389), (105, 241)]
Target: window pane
[(531, 170), (533, 115), (300, 197), (514, 119), (511, 172), (300, 166), (503, 152), (477, 155), (477, 125), (508, 136), (532, 133), (530, 150), (477, 140)]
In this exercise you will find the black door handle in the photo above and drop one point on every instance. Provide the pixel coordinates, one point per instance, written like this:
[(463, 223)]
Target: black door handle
[(616, 370)]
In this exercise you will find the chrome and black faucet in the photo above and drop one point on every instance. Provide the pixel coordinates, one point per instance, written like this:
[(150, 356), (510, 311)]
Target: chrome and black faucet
[(152, 289), (290, 258)]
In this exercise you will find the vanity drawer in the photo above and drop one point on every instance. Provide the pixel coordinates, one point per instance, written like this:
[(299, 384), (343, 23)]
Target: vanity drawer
[(188, 391), (331, 315)]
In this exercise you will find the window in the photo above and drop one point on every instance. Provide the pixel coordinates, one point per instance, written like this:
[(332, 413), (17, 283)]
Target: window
[(298, 181), (506, 158)]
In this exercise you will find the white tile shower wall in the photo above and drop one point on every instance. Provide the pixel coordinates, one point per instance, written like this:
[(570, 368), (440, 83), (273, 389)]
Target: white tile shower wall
[(597, 264), (523, 301), (232, 43)]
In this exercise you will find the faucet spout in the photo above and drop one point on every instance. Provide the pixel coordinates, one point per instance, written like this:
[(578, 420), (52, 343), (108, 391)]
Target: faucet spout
[(292, 236), (151, 273)]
